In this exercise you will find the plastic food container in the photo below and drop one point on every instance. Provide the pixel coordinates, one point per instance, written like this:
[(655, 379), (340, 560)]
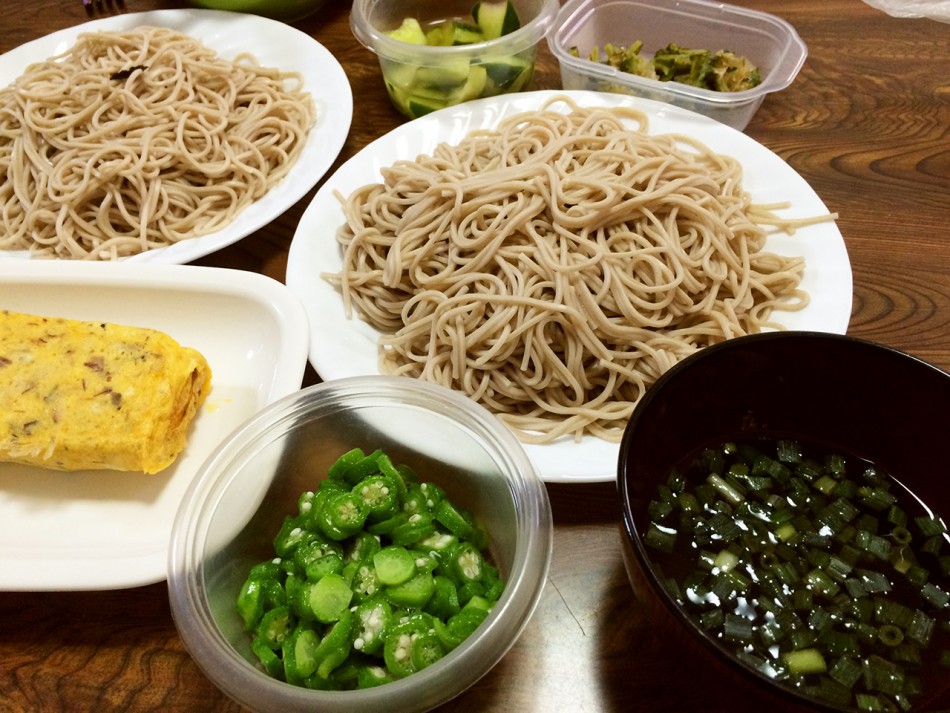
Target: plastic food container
[(234, 508), (424, 78), (767, 41)]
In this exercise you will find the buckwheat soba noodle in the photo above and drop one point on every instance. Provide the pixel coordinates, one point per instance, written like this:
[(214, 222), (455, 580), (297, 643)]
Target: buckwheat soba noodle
[(135, 140), (552, 269)]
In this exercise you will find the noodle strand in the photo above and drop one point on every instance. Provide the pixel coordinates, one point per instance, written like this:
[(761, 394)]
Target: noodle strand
[(554, 268), (131, 141)]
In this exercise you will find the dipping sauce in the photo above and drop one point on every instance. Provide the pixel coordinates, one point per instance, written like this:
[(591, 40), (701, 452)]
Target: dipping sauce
[(815, 568)]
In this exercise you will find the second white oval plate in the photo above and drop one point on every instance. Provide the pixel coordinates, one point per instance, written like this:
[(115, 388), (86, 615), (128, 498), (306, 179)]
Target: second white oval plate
[(341, 347)]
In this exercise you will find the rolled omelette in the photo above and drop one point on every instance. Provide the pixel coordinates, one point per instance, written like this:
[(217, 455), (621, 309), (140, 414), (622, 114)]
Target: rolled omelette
[(80, 395)]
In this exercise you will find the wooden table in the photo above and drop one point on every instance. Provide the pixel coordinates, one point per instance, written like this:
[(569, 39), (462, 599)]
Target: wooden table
[(867, 123)]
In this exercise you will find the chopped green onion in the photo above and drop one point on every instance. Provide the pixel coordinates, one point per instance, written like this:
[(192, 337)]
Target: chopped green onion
[(846, 671), (809, 574), (788, 451), (862, 610), (737, 628), (724, 527), (878, 499), (915, 574), (808, 469), (738, 470), (908, 653), (930, 526), (770, 634), (802, 599), (659, 509), (935, 595), (874, 475), (888, 611), (831, 691), (676, 482), (712, 619), (835, 463), (818, 581), (883, 675), (725, 560), (838, 514), (688, 502), (870, 703), (820, 620), (874, 582), (932, 545), (660, 538), (804, 661), (920, 628), (826, 484), (707, 559), (890, 635), (837, 569), (802, 639), (785, 532), (723, 588), (841, 643), (855, 587), (730, 492), (875, 545), (786, 573)]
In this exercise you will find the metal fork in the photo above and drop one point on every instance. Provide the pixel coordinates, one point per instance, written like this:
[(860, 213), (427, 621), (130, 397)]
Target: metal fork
[(103, 7)]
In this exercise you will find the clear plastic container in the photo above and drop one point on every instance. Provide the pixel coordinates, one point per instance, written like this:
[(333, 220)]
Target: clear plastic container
[(235, 506), (767, 41), (423, 78)]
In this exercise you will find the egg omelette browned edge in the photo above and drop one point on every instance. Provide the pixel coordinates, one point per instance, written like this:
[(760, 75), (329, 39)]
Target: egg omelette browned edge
[(78, 395)]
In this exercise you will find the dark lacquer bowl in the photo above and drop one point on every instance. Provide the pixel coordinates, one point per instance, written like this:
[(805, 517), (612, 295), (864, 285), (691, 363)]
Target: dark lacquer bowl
[(852, 396)]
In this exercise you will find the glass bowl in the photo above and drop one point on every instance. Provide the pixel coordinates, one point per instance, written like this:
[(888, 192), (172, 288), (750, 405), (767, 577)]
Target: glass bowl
[(234, 508)]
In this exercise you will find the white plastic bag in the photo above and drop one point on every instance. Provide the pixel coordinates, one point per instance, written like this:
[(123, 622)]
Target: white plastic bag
[(933, 9)]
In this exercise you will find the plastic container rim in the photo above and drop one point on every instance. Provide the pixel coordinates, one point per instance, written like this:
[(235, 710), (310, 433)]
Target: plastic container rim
[(529, 34), (430, 687)]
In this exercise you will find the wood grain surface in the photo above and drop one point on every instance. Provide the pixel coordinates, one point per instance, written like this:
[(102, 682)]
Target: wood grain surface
[(866, 123)]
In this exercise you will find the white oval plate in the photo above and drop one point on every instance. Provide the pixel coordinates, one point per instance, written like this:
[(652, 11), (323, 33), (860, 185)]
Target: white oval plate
[(343, 347), (274, 44), (107, 529)]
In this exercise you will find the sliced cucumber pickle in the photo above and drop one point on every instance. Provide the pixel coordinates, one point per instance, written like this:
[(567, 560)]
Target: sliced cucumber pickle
[(409, 31), (417, 89), (496, 19)]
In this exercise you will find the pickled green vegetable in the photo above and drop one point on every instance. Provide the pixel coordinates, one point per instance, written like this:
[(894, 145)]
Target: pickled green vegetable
[(818, 570), (375, 577), (721, 71)]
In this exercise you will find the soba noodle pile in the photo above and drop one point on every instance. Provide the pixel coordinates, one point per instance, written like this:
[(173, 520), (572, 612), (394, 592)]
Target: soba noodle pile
[(553, 268), (134, 140)]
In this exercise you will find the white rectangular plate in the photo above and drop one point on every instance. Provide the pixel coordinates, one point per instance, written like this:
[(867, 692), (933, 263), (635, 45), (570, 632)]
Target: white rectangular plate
[(107, 529)]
